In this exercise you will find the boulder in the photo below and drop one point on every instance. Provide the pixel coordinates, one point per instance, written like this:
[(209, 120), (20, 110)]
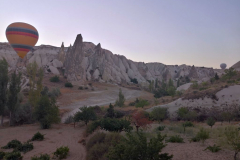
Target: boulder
[(54, 70)]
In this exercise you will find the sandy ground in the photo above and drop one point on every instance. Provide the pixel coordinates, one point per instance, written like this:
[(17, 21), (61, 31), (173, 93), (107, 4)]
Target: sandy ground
[(57, 136), (228, 95)]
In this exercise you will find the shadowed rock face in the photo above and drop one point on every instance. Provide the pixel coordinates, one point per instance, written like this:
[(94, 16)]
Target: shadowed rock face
[(85, 61)]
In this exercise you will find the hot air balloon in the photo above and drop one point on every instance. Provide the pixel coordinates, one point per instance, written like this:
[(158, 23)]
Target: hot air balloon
[(22, 37), (223, 65)]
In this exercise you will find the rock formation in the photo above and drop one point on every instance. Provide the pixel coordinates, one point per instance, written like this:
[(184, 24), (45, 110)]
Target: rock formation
[(85, 61)]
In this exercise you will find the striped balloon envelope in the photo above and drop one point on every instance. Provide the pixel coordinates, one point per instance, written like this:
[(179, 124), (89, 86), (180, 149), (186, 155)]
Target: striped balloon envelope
[(22, 37)]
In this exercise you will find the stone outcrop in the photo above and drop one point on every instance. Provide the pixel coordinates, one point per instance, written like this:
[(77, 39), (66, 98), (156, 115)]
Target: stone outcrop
[(85, 61)]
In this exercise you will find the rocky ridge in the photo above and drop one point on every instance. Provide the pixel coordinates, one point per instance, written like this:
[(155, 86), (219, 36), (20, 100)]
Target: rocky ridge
[(85, 61)]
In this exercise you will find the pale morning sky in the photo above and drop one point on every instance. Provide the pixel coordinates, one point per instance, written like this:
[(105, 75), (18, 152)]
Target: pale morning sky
[(192, 32)]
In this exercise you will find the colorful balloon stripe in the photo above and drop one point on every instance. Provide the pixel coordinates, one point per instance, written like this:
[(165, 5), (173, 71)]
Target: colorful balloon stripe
[(22, 33), (18, 29), (21, 46), (21, 49)]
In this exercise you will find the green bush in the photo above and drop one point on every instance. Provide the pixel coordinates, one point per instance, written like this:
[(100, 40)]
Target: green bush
[(12, 144), (100, 143), (203, 135), (175, 139), (142, 103), (159, 114), (188, 124), (2, 154), (68, 84), (86, 88), (46, 112), (61, 152), (26, 147), (80, 88), (136, 146), (195, 139), (55, 92), (211, 121), (37, 137), (69, 119), (116, 125), (134, 80), (41, 157), (160, 128), (13, 156), (54, 79), (86, 114), (92, 127), (213, 148), (119, 114)]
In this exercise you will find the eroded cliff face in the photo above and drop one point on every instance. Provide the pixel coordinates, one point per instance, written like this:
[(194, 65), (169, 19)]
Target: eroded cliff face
[(85, 61)]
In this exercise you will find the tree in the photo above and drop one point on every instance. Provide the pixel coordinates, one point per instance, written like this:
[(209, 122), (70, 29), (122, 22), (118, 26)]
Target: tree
[(46, 112), (121, 99), (171, 91), (185, 114), (156, 83), (14, 89), (110, 111), (139, 119), (35, 75), (216, 77), (3, 86), (203, 135), (115, 125), (159, 114), (85, 114), (233, 139), (211, 121), (170, 83), (136, 146), (229, 73)]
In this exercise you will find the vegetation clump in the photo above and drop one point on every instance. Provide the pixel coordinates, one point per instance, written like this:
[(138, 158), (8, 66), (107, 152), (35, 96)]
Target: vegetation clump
[(68, 84), (202, 135), (2, 154), (25, 147), (159, 114), (54, 79), (141, 103), (13, 156), (86, 114), (121, 99), (213, 148), (61, 152), (211, 121), (12, 144), (160, 128), (37, 137), (41, 157), (175, 139)]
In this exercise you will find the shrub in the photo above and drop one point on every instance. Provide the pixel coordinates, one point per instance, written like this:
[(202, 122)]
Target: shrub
[(37, 137), (41, 157), (55, 92), (68, 84), (115, 125), (13, 156), (159, 114), (134, 80), (97, 138), (211, 121), (92, 127), (86, 114), (69, 119), (46, 112), (12, 144), (80, 88), (61, 152), (26, 147), (136, 146), (195, 139), (213, 148), (2, 154), (54, 79), (100, 143), (23, 114), (86, 88), (139, 119), (142, 103), (175, 139), (188, 124), (119, 114), (203, 135), (160, 128)]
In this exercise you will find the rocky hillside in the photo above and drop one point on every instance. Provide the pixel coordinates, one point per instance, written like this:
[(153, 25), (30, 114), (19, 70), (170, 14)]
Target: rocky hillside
[(85, 61)]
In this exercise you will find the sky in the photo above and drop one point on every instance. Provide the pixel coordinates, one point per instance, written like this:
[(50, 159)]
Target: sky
[(193, 32)]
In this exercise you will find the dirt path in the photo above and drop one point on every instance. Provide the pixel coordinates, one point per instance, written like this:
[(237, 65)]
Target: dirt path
[(100, 98), (57, 136)]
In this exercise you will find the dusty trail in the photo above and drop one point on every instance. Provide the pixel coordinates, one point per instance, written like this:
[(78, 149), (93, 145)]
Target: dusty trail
[(100, 98)]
